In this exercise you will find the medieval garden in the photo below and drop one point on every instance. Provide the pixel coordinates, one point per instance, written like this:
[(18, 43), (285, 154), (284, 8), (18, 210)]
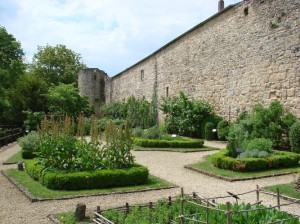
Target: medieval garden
[(172, 139)]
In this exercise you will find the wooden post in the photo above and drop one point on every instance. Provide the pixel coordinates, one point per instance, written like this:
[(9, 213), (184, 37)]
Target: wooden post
[(181, 206), (257, 193), (207, 212), (228, 213), (170, 200), (98, 209), (194, 195), (150, 205), (278, 198), (127, 207)]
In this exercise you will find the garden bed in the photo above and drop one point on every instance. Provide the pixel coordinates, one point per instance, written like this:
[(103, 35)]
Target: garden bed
[(206, 167), (58, 180), (35, 191), (157, 143), (286, 190), (276, 161), (182, 150)]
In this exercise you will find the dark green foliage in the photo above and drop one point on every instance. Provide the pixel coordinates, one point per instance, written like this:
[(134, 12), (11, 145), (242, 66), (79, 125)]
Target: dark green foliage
[(58, 180), (163, 213), (214, 119), (261, 144), (11, 68), (277, 160), (209, 134), (151, 143), (223, 129), (271, 122), (33, 120), (185, 116), (26, 154), (295, 137)]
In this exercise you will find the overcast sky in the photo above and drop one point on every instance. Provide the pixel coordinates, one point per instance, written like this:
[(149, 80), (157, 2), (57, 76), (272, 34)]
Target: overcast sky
[(110, 35)]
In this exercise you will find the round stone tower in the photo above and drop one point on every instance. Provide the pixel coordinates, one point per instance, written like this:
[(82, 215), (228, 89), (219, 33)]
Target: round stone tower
[(91, 83)]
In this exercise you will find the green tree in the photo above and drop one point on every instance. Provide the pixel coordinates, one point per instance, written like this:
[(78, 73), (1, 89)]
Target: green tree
[(56, 64), (11, 67), (65, 99), (28, 94)]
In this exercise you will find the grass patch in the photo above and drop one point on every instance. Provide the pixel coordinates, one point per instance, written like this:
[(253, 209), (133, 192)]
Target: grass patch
[(207, 166), (69, 218), (205, 148), (15, 158), (37, 190), (285, 189)]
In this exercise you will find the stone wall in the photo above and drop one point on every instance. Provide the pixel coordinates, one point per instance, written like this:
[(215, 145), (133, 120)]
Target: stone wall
[(92, 83), (249, 52)]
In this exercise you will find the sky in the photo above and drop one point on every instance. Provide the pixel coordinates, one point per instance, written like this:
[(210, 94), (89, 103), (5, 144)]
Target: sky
[(110, 35)]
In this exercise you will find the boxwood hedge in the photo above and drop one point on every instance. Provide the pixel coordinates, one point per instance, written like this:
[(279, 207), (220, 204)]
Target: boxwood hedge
[(279, 159), (135, 175), (155, 143)]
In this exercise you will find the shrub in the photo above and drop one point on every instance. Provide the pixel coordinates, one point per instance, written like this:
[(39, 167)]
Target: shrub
[(237, 135), (152, 133), (137, 132), (29, 142), (102, 123), (223, 129), (212, 118), (209, 134), (33, 120), (277, 160), (150, 143), (294, 136), (260, 144), (133, 175), (184, 116)]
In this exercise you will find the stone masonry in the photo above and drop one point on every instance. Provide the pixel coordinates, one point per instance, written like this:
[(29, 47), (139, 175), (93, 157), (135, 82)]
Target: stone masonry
[(246, 53)]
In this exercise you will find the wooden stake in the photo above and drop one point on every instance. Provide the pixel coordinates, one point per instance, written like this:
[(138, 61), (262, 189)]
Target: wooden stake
[(278, 198), (228, 212)]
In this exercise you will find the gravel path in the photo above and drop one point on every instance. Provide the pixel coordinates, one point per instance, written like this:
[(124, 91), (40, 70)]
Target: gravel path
[(16, 208)]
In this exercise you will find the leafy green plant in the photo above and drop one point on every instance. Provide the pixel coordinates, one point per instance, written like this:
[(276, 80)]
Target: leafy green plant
[(184, 116), (33, 120), (163, 213), (29, 142), (260, 144), (295, 137), (119, 143), (209, 134), (152, 133), (223, 129)]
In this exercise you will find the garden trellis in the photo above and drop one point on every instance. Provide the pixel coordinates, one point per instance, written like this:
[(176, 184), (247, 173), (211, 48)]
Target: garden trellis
[(209, 207)]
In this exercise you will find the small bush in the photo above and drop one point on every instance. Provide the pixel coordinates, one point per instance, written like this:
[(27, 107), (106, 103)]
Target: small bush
[(209, 135), (294, 137), (223, 129), (28, 154), (102, 123), (151, 143), (263, 154), (152, 133), (137, 132), (260, 144), (29, 142), (134, 175)]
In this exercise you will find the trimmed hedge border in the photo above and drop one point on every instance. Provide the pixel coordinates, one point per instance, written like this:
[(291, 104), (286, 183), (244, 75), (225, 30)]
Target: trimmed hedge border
[(156, 143), (98, 179), (279, 160)]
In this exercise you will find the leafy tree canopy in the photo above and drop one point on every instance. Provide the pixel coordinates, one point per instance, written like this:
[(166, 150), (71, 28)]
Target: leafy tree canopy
[(65, 99), (56, 64), (11, 59)]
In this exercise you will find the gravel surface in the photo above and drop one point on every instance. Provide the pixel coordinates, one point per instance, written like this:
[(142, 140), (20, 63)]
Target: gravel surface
[(16, 208)]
